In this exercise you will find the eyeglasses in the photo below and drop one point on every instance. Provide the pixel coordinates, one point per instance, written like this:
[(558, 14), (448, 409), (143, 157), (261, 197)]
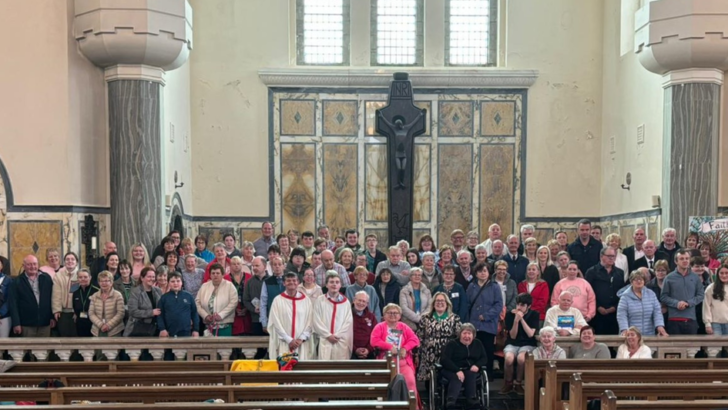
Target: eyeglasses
[(393, 313)]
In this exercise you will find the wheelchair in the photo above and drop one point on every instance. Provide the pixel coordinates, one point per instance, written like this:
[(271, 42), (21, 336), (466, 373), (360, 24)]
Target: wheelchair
[(438, 389)]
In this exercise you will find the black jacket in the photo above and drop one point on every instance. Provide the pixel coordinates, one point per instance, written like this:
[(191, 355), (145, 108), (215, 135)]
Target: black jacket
[(586, 256), (670, 254), (642, 262), (391, 292), (24, 309), (456, 356), (628, 252), (605, 286), (517, 269)]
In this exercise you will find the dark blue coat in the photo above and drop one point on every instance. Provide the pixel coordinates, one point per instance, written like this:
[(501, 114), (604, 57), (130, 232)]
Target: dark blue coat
[(517, 269), (586, 256)]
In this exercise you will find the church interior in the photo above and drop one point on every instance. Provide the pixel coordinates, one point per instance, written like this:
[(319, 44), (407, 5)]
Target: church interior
[(211, 117)]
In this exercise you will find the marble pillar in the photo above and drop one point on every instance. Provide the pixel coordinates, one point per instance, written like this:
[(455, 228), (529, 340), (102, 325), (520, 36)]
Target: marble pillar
[(690, 152), (135, 163)]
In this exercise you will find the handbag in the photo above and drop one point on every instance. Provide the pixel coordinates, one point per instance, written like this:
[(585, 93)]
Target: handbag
[(143, 329), (255, 366), (502, 336)]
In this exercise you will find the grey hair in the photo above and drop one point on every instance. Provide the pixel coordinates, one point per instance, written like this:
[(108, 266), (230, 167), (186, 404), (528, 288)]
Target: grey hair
[(481, 247), (218, 245), (361, 292), (191, 256), (415, 269), (527, 228), (463, 251), (666, 230), (403, 241), (468, 327), (394, 248), (511, 236), (428, 254)]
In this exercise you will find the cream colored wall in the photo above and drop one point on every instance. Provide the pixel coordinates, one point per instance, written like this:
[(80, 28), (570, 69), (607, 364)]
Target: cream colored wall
[(561, 39), (52, 109), (632, 96), (230, 159), (177, 153)]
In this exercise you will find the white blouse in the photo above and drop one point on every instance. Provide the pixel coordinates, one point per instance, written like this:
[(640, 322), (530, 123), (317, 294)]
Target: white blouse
[(644, 352)]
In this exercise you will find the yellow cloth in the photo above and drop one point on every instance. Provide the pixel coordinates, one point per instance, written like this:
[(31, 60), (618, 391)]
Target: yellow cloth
[(255, 366)]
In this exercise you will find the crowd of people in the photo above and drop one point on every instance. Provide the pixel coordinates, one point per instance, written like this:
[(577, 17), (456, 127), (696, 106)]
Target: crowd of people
[(339, 299)]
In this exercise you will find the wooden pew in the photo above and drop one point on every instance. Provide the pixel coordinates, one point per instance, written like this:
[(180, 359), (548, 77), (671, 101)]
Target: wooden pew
[(555, 378), (189, 378), (231, 394), (411, 404), (579, 392), (159, 366), (610, 402), (535, 370)]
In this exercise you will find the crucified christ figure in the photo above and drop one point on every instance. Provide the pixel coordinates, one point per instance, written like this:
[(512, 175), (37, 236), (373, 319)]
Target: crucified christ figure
[(400, 131)]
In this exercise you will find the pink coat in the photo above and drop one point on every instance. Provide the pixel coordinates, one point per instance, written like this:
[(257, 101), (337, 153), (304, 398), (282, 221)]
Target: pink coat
[(409, 340)]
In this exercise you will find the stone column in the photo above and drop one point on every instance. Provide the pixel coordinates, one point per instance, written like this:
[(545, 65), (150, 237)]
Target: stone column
[(683, 40), (135, 42)]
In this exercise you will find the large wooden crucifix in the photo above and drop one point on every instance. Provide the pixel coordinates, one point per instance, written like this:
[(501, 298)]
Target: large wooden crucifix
[(400, 122)]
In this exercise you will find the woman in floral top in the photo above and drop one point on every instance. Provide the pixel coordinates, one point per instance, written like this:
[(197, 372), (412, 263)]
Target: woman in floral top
[(437, 328)]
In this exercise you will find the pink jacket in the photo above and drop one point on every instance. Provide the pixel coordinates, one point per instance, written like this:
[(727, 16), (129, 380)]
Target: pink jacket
[(409, 340), (584, 298)]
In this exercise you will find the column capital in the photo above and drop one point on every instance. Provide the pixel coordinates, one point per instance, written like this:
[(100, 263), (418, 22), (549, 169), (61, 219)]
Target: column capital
[(134, 72), (142, 32), (675, 35), (693, 75)]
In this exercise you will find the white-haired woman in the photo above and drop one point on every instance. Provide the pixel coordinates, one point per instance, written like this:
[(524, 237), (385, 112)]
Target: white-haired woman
[(547, 348)]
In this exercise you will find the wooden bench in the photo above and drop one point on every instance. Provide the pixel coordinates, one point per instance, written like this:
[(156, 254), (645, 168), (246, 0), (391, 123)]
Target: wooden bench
[(160, 366), (535, 370), (231, 394), (580, 392), (610, 402), (189, 378), (283, 405), (555, 378)]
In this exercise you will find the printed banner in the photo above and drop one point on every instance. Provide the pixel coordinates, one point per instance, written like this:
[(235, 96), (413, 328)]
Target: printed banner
[(712, 230)]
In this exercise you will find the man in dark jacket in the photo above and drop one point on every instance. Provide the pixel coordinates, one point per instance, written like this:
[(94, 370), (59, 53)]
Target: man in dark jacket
[(669, 246), (30, 301), (635, 251), (517, 264), (606, 279), (585, 249)]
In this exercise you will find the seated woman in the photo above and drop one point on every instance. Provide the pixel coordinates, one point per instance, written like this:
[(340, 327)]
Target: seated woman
[(437, 327), (639, 307), (394, 336), (589, 348), (633, 347), (548, 348), (461, 361)]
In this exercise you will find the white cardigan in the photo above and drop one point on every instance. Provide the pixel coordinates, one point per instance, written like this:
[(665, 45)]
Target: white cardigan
[(225, 302), (644, 352)]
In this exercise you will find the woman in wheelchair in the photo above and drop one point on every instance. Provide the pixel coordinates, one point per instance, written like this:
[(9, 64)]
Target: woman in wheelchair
[(462, 360)]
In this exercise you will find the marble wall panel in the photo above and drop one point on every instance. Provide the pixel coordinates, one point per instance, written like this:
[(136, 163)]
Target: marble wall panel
[(214, 234), (498, 118), (298, 117), (427, 105), (298, 187), (251, 234), (455, 188), (370, 115), (417, 234), (340, 117), (496, 187), (455, 119), (382, 238), (33, 237), (422, 182), (626, 232), (542, 235), (340, 202), (375, 192)]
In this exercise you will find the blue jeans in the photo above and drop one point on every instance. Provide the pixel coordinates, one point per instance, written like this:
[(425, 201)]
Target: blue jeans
[(720, 329)]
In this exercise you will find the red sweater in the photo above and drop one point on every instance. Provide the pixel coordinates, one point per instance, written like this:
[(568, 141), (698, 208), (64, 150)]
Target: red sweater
[(363, 326), (540, 296)]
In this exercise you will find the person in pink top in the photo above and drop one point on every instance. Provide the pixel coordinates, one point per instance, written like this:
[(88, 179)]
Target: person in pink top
[(392, 335), (584, 298)]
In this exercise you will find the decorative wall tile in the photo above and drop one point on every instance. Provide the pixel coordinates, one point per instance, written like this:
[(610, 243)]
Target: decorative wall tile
[(652, 233), (422, 183), (340, 118), (626, 232), (382, 238), (298, 117), (498, 118), (455, 186), (298, 187), (251, 234), (370, 114), (33, 237), (455, 118), (542, 235), (340, 168), (376, 199), (417, 234), (214, 234), (496, 187), (427, 105)]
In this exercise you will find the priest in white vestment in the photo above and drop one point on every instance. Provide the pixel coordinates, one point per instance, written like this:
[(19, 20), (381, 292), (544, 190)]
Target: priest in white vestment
[(290, 321), (333, 322)]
